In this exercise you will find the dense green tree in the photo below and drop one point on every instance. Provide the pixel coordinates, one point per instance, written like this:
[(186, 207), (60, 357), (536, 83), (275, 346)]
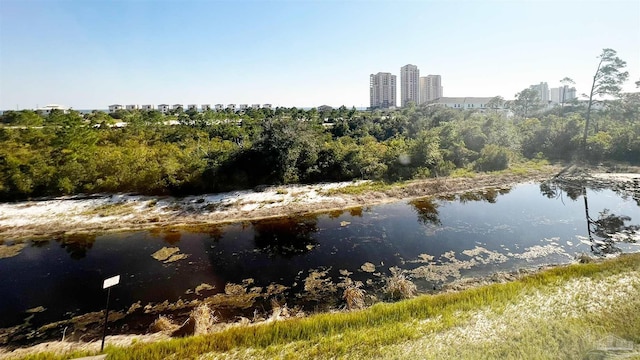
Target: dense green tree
[(526, 103), (21, 118), (492, 158), (496, 103)]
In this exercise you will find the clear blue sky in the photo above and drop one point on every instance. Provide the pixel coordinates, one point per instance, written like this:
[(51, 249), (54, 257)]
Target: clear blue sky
[(92, 53)]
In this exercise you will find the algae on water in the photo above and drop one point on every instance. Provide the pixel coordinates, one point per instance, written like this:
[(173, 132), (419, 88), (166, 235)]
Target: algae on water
[(168, 255)]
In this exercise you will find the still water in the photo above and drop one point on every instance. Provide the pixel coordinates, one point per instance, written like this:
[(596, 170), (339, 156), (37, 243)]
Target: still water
[(432, 241)]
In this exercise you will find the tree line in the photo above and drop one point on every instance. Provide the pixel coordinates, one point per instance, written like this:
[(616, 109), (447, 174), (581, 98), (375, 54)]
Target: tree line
[(70, 153)]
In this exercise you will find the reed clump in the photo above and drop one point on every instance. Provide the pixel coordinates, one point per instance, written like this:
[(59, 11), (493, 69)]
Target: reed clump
[(203, 318), (398, 286), (353, 294), (163, 324)]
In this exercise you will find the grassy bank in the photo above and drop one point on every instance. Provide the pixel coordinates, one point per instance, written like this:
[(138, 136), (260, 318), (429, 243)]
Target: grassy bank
[(557, 313)]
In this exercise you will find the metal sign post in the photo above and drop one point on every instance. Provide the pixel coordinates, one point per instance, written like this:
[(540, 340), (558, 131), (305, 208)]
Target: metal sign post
[(108, 283)]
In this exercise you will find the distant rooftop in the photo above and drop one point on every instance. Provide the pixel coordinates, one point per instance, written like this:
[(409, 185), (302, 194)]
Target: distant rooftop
[(461, 100)]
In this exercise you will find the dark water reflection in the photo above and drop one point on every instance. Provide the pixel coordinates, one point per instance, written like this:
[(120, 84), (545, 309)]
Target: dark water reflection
[(608, 229), (433, 241)]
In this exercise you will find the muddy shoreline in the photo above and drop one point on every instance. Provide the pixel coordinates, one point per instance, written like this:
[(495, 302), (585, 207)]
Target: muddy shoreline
[(53, 218)]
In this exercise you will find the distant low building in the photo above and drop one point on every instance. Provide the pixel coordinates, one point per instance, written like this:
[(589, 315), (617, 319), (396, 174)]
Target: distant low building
[(193, 107), (205, 107), (147, 107), (163, 108), (47, 109), (465, 103), (177, 106), (255, 106), (266, 106), (219, 107), (115, 107), (244, 106), (131, 107), (231, 107)]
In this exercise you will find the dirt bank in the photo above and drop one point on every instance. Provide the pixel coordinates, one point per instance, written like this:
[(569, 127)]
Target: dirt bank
[(125, 212)]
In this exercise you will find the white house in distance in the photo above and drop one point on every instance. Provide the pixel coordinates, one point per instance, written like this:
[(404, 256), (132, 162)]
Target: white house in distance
[(131, 107), (255, 106), (231, 107), (147, 107), (244, 106), (47, 109), (192, 107), (163, 108), (205, 107), (464, 103), (115, 107), (177, 106), (219, 107), (266, 106)]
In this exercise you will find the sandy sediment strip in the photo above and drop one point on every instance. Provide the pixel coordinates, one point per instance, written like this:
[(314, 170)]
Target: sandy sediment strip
[(124, 212)]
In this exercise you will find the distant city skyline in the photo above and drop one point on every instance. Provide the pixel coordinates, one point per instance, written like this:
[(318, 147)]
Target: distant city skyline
[(298, 53)]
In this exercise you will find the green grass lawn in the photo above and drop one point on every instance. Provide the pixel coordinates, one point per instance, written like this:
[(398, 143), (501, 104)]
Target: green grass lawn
[(555, 314)]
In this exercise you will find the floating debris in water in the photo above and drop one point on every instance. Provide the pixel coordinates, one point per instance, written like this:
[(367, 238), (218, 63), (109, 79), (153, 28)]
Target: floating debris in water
[(275, 289), (368, 267), (345, 272), (165, 253), (450, 266), (234, 289), (538, 251), (168, 255), (175, 257), (37, 309), (203, 287), (491, 256), (344, 223), (135, 306), (318, 285)]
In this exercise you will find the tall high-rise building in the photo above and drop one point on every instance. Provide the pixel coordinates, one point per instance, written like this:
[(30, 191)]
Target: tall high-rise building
[(430, 88), (543, 91), (562, 94), (409, 84), (382, 90)]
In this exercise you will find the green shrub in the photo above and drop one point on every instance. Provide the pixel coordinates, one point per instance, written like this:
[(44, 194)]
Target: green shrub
[(493, 158)]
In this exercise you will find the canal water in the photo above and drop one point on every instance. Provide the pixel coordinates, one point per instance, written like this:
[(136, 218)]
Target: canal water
[(432, 241)]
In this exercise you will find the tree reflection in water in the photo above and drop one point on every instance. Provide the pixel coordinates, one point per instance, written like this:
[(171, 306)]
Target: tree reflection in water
[(603, 232), (427, 211), (427, 208), (285, 237), (77, 245)]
